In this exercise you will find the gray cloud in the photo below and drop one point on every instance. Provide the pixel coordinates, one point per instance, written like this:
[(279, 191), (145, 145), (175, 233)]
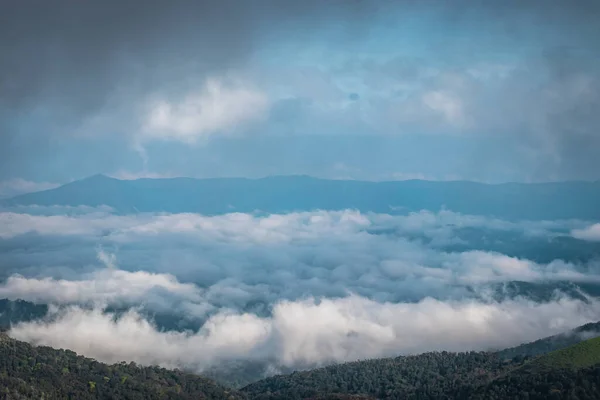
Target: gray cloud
[(72, 64), (86, 50)]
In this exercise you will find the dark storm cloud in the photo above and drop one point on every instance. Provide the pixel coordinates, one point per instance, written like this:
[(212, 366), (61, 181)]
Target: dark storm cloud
[(71, 59), (80, 51), (76, 52)]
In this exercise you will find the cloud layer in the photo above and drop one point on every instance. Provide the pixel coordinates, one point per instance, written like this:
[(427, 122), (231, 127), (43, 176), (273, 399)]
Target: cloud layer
[(244, 260), (326, 252), (311, 332), (297, 289)]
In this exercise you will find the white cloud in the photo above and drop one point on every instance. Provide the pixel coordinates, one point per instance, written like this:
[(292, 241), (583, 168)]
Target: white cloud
[(131, 338), (14, 224), (446, 104), (102, 286), (108, 259), (308, 332), (476, 267), (240, 226), (591, 233), (218, 108), (130, 176)]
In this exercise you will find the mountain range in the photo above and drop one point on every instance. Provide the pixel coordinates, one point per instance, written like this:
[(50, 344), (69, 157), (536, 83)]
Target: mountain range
[(279, 194)]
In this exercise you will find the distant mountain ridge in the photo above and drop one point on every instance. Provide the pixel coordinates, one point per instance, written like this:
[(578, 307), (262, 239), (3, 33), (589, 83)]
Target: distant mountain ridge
[(280, 194)]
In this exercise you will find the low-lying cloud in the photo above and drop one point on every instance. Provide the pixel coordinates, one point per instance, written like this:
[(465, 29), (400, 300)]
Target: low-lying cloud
[(101, 287), (590, 233), (313, 331), (243, 261), (296, 289), (92, 221)]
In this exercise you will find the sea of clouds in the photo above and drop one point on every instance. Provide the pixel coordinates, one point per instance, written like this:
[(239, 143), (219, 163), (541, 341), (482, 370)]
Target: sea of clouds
[(299, 289)]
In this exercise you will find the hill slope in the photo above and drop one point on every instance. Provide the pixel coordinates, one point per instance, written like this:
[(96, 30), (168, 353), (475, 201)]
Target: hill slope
[(42, 372), (425, 376), (15, 311), (561, 200), (571, 373), (568, 373), (581, 355), (552, 343)]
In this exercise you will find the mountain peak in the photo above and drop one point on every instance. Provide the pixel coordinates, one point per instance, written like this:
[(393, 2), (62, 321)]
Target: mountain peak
[(97, 177)]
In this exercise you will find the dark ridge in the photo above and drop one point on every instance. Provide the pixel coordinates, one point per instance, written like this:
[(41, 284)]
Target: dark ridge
[(280, 194)]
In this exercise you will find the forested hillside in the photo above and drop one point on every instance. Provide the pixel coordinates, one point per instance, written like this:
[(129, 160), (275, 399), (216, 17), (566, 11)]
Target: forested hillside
[(573, 373), (12, 312), (551, 343), (425, 376), (570, 373), (28, 372), (581, 355)]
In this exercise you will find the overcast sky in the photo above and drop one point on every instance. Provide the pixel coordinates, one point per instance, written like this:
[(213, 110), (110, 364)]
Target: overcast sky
[(488, 91)]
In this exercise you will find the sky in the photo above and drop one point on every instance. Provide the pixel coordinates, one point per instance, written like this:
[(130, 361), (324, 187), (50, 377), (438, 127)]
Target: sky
[(346, 89)]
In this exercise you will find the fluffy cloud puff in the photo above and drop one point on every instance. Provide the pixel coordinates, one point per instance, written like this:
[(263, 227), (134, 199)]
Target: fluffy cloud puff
[(102, 286), (591, 233), (217, 108)]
